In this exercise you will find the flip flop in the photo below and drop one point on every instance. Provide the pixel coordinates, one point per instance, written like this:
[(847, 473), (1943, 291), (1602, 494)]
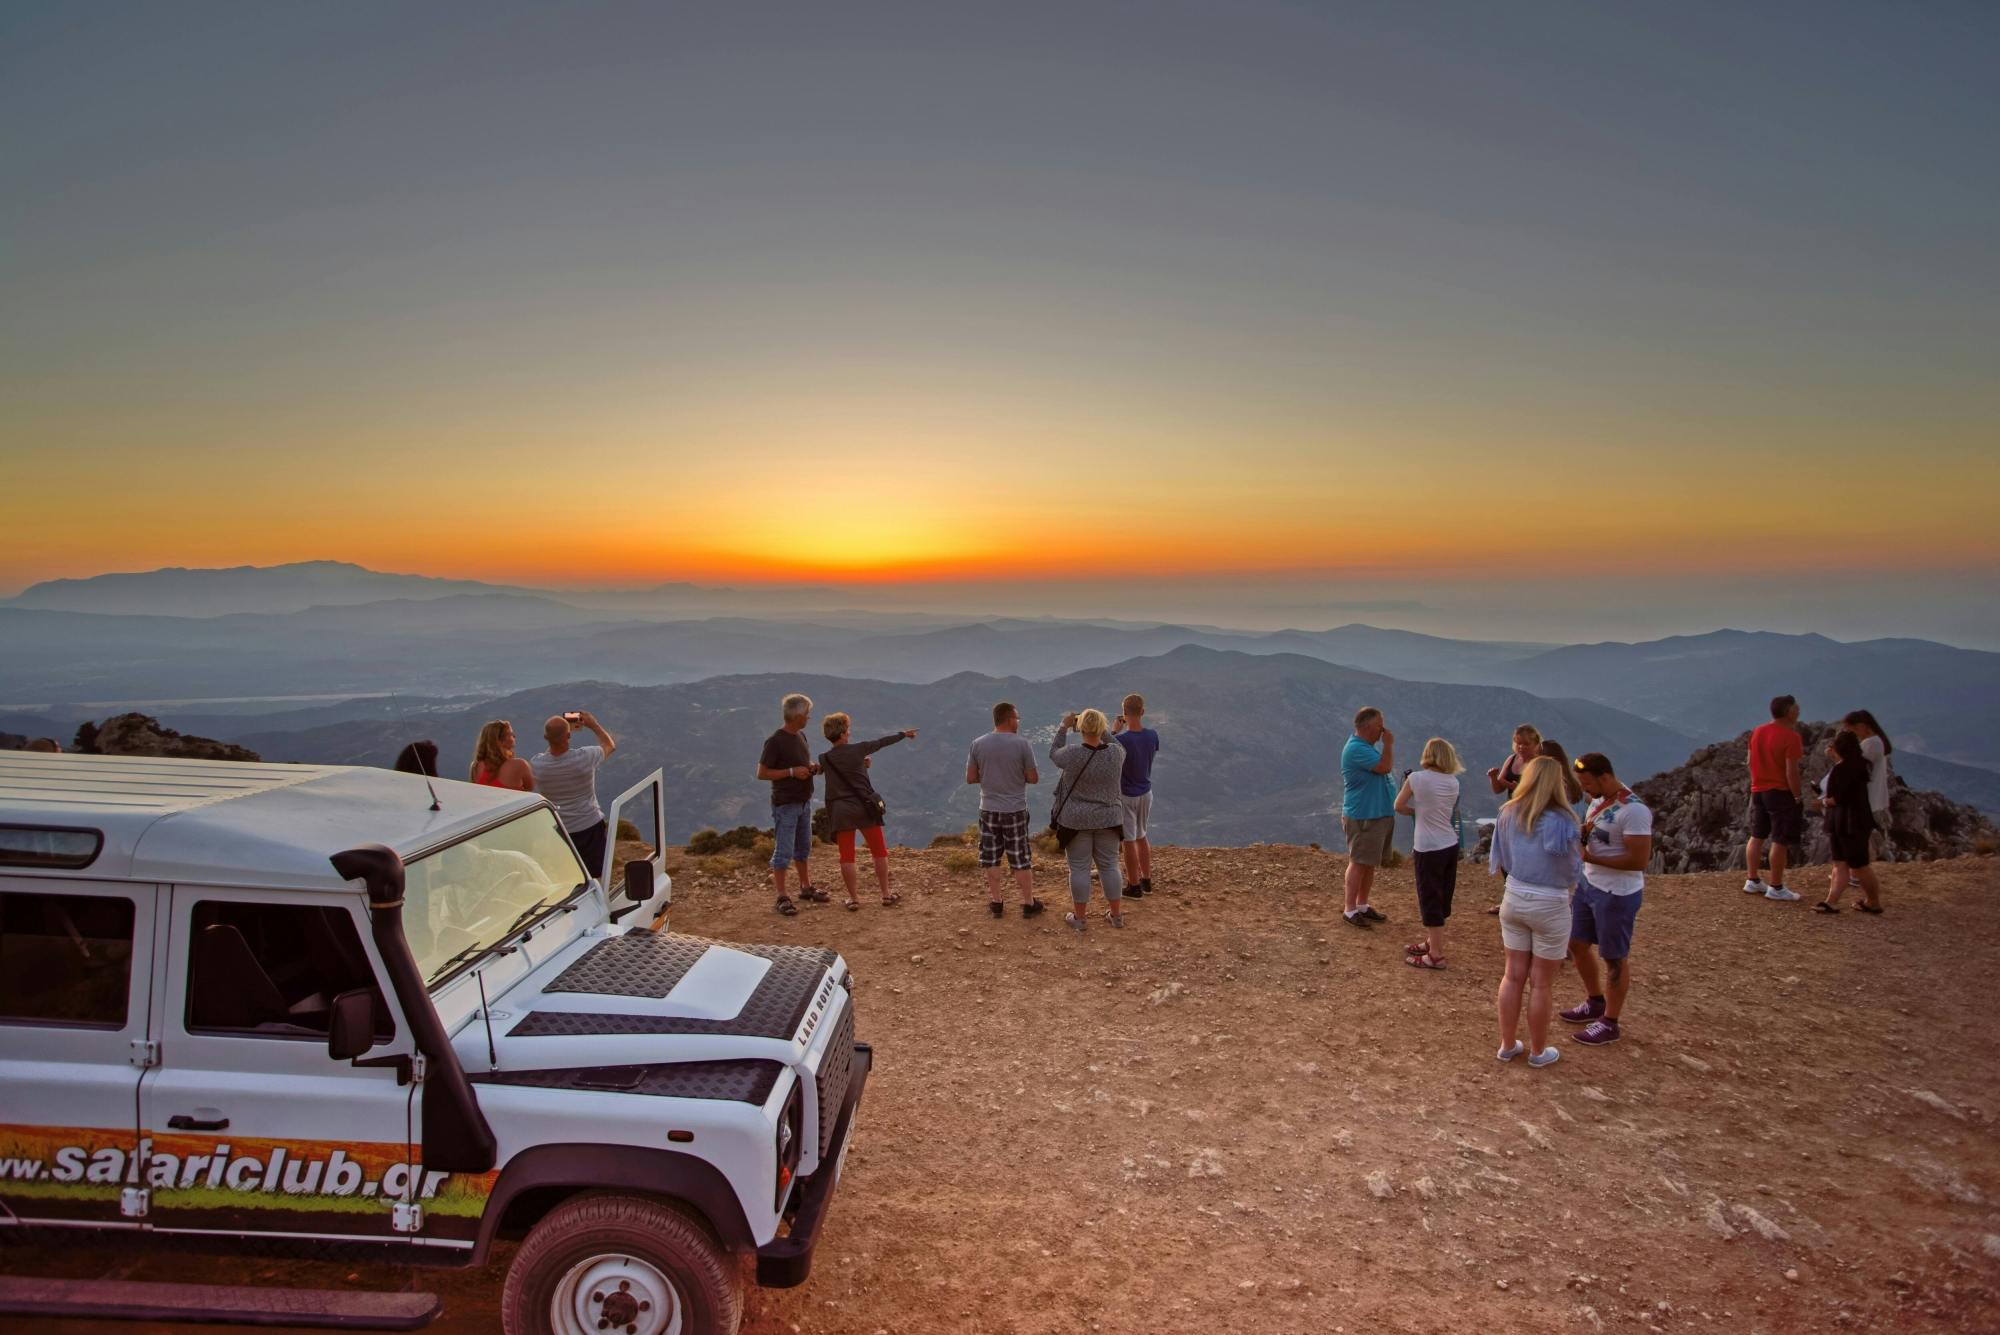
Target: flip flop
[(1866, 909), (1824, 907), (891, 899), (853, 906), (787, 907)]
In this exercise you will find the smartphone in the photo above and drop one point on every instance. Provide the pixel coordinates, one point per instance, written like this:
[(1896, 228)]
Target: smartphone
[(572, 717)]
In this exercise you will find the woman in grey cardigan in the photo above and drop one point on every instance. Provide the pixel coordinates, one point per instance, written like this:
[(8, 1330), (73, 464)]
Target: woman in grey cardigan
[(1087, 801)]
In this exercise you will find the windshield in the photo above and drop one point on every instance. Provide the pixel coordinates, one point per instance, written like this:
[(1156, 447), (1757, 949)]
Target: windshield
[(461, 900)]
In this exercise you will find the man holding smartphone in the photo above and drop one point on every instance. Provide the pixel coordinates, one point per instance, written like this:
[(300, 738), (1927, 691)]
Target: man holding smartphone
[(567, 776)]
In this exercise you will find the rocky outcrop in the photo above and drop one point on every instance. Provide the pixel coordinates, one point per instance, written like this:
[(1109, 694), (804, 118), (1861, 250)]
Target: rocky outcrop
[(1701, 811), (138, 735)]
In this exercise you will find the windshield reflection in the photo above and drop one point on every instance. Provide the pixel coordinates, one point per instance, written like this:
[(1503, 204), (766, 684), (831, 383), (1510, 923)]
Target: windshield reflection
[(461, 900)]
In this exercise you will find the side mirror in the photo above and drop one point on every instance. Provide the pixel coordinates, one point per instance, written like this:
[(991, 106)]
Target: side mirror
[(351, 1026), (638, 888)]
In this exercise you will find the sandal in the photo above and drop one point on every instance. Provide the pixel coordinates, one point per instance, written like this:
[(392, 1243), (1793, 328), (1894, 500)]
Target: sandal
[(891, 899), (812, 894), (1423, 961), (1417, 948), (1825, 907), (1866, 907), (787, 907), (1495, 910), (853, 906)]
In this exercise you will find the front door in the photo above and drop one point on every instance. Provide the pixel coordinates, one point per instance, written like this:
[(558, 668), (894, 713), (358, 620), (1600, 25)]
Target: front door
[(638, 834), (253, 1126), (75, 967)]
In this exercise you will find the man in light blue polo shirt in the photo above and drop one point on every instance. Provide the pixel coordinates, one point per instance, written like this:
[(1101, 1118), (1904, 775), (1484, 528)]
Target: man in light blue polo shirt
[(1367, 810)]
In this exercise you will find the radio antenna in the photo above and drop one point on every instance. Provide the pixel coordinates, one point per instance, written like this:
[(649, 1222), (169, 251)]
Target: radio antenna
[(416, 753)]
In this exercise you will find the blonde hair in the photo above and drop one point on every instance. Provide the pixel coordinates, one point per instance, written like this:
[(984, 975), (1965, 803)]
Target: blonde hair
[(490, 751), (1092, 723), (1441, 756), (1528, 732), (834, 725), (1540, 790), (1133, 705)]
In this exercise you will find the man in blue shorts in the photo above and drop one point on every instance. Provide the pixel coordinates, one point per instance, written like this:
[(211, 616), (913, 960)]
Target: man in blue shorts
[(1617, 845)]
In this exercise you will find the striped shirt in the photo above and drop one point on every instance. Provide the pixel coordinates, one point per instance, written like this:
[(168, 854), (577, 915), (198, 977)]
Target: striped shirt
[(570, 782)]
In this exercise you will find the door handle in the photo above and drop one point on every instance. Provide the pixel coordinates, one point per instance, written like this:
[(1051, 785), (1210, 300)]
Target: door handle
[(183, 1122)]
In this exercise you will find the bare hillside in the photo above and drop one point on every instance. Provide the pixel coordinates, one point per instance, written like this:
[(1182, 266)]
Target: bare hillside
[(1241, 1114)]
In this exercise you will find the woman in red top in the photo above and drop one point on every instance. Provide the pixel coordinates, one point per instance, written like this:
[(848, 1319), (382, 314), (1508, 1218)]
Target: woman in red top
[(494, 762)]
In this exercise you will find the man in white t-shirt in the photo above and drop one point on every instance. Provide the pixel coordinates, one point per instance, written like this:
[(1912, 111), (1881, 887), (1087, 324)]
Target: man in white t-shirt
[(567, 776), (1617, 845)]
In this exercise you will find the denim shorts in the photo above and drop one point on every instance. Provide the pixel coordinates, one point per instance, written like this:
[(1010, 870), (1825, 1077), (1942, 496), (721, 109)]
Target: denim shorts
[(791, 835), (1604, 920)]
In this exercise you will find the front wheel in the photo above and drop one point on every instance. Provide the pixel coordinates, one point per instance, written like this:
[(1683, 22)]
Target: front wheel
[(620, 1265)]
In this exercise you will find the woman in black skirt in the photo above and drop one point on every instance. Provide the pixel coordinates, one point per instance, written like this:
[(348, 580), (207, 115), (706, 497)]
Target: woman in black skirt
[(1849, 824)]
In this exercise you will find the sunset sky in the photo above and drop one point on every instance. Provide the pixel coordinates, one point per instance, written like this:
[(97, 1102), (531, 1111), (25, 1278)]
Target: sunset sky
[(1351, 297)]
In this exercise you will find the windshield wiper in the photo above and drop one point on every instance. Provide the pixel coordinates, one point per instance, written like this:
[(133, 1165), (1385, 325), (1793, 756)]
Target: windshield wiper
[(476, 948), (528, 913)]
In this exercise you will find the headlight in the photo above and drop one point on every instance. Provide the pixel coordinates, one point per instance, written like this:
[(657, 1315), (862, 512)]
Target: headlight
[(791, 1123)]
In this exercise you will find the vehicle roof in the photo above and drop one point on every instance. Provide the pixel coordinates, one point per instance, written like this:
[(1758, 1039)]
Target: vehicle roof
[(225, 822)]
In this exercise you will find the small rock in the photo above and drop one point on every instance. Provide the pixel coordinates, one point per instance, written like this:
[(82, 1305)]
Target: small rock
[(916, 959), (1500, 1284), (1379, 1185), (1791, 1276)]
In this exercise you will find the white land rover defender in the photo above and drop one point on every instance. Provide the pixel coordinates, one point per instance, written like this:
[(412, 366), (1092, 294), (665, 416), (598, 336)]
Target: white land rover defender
[(329, 1004)]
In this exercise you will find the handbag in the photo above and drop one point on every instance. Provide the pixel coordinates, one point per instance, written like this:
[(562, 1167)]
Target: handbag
[(1063, 833), (875, 808)]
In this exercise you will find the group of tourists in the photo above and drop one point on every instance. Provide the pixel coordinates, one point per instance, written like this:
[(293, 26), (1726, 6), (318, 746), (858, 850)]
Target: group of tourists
[(1572, 842), (563, 772), (1099, 813), (1853, 795)]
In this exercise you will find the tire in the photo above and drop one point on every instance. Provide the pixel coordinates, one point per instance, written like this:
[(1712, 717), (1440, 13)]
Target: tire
[(624, 1250)]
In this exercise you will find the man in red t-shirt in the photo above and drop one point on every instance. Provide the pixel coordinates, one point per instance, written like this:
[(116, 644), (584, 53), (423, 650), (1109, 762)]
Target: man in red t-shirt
[(1776, 812)]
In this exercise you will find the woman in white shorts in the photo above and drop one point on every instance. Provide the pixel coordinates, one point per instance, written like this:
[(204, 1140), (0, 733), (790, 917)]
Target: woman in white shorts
[(1538, 847)]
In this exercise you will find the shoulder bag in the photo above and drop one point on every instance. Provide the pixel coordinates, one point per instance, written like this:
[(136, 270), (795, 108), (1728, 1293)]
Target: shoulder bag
[(1063, 833)]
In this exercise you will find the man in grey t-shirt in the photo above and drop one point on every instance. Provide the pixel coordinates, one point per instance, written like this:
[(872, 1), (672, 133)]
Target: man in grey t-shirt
[(567, 776), (1002, 763)]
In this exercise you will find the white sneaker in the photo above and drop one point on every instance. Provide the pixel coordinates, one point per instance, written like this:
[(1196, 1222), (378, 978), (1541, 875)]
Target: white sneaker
[(1508, 1054), (1753, 886), (1780, 892), (1548, 1056)]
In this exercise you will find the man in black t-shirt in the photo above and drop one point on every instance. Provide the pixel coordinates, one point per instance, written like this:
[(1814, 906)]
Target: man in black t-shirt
[(788, 764)]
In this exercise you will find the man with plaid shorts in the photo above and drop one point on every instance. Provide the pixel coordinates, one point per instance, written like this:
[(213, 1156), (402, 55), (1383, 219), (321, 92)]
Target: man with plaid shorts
[(1002, 763)]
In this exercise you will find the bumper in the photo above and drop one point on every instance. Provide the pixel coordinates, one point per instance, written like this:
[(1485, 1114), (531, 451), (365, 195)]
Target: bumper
[(784, 1263)]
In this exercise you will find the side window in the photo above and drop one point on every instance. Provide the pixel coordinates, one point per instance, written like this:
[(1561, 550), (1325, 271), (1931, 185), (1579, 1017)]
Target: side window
[(273, 970), (65, 959)]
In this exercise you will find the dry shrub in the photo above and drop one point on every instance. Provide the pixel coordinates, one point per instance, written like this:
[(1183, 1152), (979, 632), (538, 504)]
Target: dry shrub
[(721, 864), (961, 861), (1046, 846), (948, 841), (761, 850), (1985, 844)]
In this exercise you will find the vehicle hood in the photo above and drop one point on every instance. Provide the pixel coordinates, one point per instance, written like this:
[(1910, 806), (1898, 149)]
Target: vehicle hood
[(646, 998)]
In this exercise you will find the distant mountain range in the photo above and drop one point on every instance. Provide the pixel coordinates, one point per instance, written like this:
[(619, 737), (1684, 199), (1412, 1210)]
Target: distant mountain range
[(322, 634), (1251, 742)]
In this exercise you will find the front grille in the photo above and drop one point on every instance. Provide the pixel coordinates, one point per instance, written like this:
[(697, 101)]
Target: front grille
[(836, 1067)]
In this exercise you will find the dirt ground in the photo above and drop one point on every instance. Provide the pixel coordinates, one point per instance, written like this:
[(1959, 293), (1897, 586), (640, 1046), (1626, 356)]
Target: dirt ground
[(1241, 1114)]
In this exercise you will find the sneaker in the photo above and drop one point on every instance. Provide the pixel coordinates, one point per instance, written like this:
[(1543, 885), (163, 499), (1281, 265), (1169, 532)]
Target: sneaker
[(1548, 1056), (1369, 912), (1076, 924), (1755, 886), (1583, 1012), (1508, 1054), (1032, 909), (1115, 919), (1356, 918), (1136, 890), (1599, 1033), (1146, 884), (1780, 893), (996, 908)]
